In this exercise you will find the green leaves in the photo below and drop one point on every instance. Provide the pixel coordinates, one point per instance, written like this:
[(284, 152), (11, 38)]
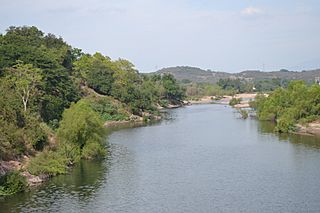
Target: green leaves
[(298, 102), (79, 126), (25, 79), (12, 183)]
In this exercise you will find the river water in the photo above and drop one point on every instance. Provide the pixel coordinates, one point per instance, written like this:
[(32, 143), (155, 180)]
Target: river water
[(202, 158)]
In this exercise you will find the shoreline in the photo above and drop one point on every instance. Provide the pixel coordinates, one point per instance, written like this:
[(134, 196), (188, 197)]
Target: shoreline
[(246, 98), (311, 129), (20, 164)]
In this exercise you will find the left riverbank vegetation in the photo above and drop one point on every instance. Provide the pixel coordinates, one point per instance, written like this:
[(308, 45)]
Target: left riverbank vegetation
[(299, 103), (54, 100)]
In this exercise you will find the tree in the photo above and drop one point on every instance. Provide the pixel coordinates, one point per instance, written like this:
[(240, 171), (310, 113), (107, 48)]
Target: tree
[(125, 80), (50, 54), (25, 78), (79, 128), (173, 91), (96, 71)]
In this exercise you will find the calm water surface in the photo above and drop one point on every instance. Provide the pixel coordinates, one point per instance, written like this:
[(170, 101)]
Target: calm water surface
[(203, 159)]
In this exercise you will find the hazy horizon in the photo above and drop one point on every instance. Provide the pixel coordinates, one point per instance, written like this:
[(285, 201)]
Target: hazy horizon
[(228, 36)]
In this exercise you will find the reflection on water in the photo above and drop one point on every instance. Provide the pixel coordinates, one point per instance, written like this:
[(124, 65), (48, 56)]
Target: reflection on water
[(199, 159), (266, 127), (73, 189)]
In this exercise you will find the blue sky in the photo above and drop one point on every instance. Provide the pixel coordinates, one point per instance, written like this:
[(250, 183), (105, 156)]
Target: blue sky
[(222, 35)]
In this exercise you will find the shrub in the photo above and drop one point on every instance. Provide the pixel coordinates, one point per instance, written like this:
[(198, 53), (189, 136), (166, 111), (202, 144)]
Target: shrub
[(12, 183), (93, 150), (80, 125), (234, 101), (48, 162), (244, 113)]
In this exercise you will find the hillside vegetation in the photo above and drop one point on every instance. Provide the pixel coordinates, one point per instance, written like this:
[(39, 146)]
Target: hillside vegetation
[(201, 83), (54, 100), (197, 75)]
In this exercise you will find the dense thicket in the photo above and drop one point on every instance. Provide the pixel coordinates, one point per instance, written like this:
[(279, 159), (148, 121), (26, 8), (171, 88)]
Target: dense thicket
[(53, 59), (297, 103)]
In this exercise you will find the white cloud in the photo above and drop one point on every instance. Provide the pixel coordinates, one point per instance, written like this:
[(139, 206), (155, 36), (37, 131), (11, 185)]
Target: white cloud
[(249, 11)]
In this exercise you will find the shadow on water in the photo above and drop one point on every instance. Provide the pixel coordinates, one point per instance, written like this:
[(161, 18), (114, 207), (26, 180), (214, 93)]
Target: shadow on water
[(267, 127)]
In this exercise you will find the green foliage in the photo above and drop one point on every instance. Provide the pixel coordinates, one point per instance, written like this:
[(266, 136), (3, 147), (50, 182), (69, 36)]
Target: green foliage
[(267, 85), (12, 183), (195, 90), (97, 71), (288, 106), (238, 85), (20, 131), (172, 90), (43, 57), (244, 113), (79, 126), (34, 132), (25, 79), (108, 108), (93, 150), (48, 162), (234, 101), (286, 122), (41, 75)]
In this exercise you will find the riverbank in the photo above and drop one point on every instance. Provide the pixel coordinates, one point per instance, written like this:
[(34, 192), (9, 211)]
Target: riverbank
[(21, 164), (312, 128), (252, 163)]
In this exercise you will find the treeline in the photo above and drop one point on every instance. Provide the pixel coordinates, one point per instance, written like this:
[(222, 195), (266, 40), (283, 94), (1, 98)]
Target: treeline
[(298, 103), (197, 90), (230, 86), (54, 98)]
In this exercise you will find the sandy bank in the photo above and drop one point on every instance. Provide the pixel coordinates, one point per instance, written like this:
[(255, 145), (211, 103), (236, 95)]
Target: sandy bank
[(312, 128), (246, 98)]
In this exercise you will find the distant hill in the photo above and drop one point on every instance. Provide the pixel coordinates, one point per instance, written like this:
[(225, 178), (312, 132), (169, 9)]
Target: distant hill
[(198, 75)]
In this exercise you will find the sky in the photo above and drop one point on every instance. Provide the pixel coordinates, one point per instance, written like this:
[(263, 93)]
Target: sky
[(220, 35)]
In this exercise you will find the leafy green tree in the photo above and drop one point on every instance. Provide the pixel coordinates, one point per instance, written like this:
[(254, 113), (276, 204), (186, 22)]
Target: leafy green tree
[(97, 71), (80, 127), (297, 103), (25, 79), (49, 54), (172, 89)]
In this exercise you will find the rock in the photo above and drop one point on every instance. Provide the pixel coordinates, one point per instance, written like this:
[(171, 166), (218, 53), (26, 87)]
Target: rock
[(135, 118), (7, 166), (35, 180)]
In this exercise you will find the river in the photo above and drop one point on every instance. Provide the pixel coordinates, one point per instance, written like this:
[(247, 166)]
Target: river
[(203, 158)]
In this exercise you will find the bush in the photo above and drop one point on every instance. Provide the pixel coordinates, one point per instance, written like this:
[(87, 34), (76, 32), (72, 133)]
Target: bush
[(108, 108), (93, 150), (244, 113), (12, 183), (234, 101), (48, 162), (297, 103), (80, 125)]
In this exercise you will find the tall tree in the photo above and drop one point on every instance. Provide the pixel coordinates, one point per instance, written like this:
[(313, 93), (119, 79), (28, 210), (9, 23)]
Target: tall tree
[(25, 79)]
